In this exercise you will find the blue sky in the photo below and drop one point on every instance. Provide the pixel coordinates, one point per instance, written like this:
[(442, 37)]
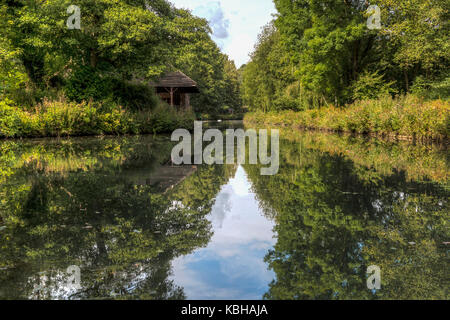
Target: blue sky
[(235, 23), (232, 266)]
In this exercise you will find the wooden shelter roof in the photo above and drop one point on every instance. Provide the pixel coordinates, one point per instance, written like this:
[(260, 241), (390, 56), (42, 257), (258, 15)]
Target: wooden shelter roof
[(176, 80)]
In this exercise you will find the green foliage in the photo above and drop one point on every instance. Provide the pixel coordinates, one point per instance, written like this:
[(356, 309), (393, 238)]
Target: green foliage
[(12, 74), (165, 118), (62, 118), (419, 31), (325, 50), (200, 58), (406, 116), (439, 89), (10, 119), (265, 78), (135, 96), (86, 84), (121, 46), (371, 86)]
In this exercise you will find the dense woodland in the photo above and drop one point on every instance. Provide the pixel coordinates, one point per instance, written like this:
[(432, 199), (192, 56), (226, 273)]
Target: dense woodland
[(318, 53), (315, 55), (121, 46)]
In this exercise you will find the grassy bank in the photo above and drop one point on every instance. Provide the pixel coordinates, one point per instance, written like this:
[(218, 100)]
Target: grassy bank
[(406, 116), (378, 158), (63, 118)]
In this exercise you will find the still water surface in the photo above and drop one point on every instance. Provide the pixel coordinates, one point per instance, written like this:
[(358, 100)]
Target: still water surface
[(139, 228)]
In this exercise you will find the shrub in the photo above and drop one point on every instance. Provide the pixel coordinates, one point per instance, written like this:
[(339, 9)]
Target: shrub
[(10, 119), (135, 96), (165, 118), (405, 115), (63, 118), (86, 84), (286, 103), (439, 89), (371, 86)]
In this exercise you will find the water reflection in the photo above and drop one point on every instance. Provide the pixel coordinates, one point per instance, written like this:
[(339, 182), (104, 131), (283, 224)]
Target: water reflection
[(140, 228), (232, 266), (339, 209), (76, 203)]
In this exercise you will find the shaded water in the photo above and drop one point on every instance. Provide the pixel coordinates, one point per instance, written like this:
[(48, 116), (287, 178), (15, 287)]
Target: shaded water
[(139, 228)]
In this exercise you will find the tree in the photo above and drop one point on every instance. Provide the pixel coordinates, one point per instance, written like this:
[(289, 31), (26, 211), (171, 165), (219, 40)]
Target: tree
[(325, 52), (419, 30), (268, 76), (118, 41), (336, 215)]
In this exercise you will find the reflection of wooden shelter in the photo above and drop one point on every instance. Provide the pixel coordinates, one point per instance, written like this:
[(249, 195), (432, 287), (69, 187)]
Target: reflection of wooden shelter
[(175, 88), (164, 177), (167, 177)]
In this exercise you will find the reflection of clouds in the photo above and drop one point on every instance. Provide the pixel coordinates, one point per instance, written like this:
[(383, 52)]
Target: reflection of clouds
[(220, 209), (194, 285), (232, 266), (240, 184)]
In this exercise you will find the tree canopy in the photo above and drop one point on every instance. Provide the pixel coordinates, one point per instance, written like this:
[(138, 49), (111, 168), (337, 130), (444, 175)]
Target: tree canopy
[(117, 41), (318, 52)]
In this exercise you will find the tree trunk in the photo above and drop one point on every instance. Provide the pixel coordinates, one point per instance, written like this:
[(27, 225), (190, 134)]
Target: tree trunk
[(355, 60), (405, 72), (93, 58)]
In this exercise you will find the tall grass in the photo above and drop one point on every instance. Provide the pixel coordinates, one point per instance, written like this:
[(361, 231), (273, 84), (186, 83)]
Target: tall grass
[(407, 116), (63, 118)]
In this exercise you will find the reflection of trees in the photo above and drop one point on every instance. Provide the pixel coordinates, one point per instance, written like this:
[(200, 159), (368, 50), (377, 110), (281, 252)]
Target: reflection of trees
[(87, 213), (205, 183), (334, 220)]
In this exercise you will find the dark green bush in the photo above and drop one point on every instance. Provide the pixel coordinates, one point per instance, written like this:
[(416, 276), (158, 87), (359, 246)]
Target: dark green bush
[(164, 118), (87, 84), (135, 96), (286, 103), (439, 89)]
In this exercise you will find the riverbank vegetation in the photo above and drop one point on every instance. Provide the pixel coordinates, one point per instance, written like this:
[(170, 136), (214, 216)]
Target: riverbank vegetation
[(95, 80), (325, 64), (63, 118), (404, 117)]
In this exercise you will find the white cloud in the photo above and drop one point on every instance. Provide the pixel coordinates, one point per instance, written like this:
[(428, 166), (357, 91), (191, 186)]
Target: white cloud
[(232, 265), (235, 23), (216, 17)]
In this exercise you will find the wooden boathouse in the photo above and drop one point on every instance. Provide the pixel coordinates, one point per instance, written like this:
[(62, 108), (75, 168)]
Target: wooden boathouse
[(175, 88)]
